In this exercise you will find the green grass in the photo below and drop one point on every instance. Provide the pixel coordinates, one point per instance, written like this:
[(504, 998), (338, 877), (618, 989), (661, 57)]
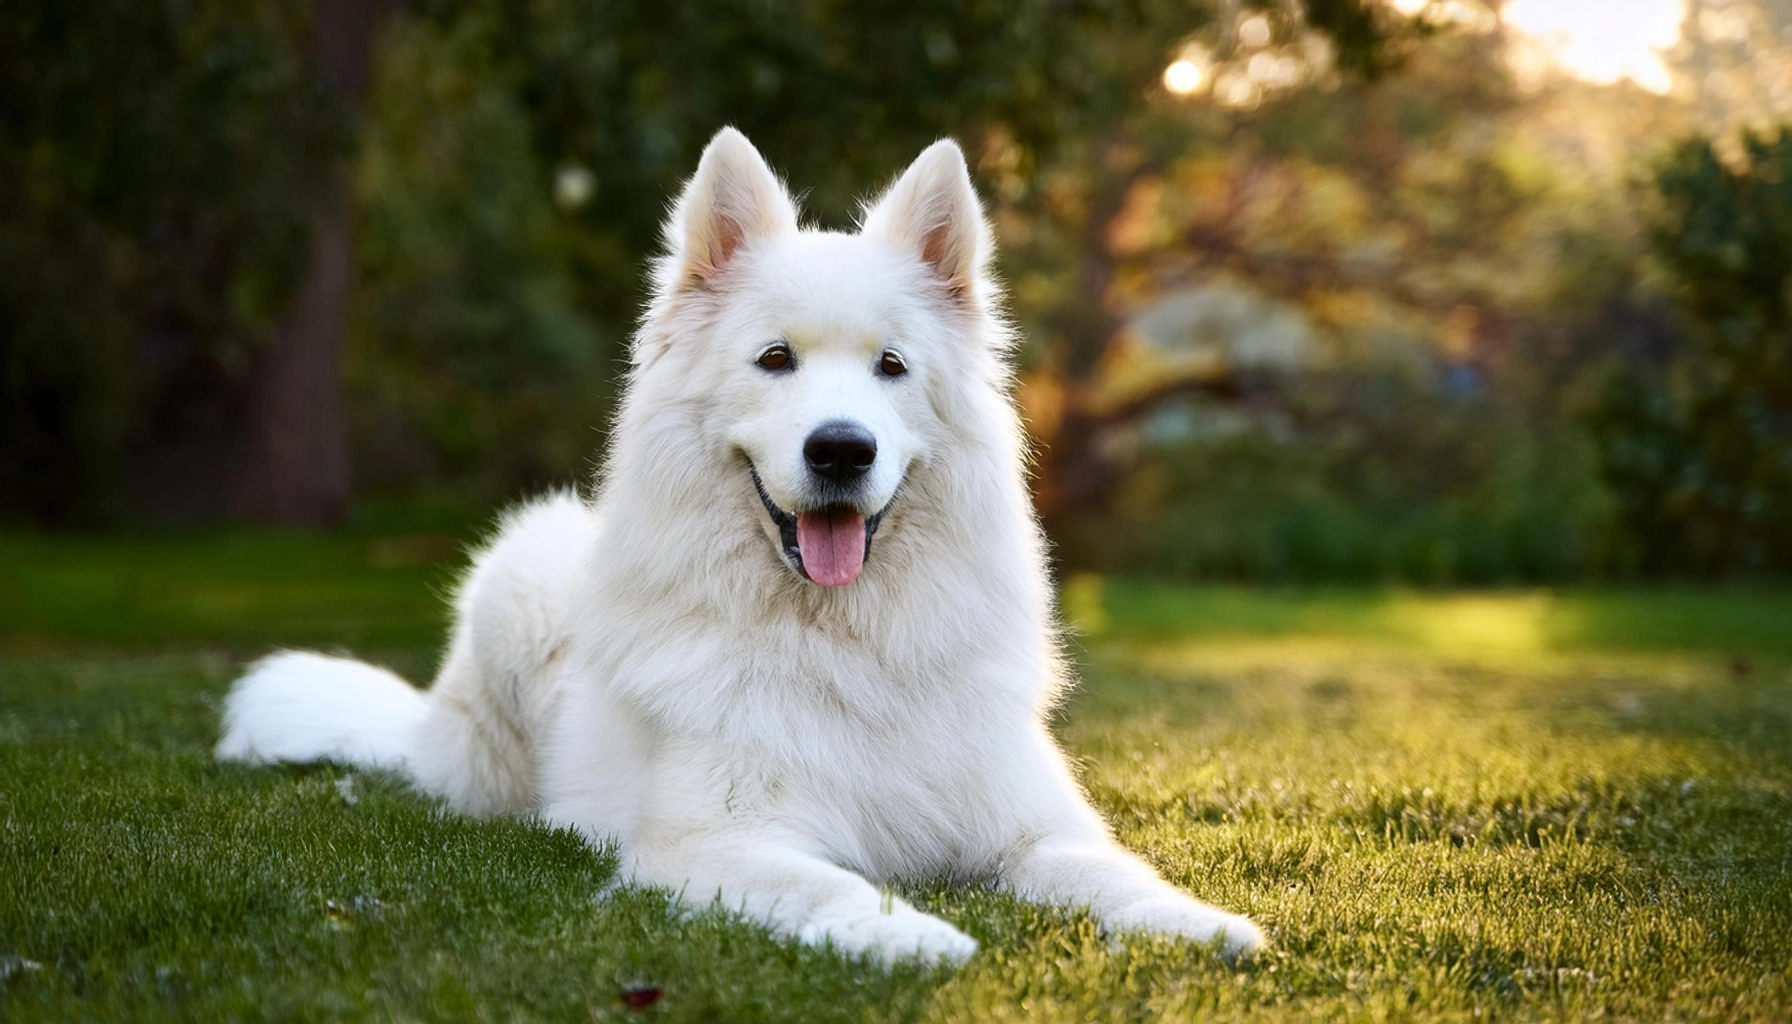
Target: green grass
[(1444, 807)]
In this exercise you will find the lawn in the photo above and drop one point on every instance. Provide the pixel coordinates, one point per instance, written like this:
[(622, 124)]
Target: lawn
[(1443, 807)]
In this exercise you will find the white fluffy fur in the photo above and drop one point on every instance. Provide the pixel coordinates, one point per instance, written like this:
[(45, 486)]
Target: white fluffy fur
[(649, 669)]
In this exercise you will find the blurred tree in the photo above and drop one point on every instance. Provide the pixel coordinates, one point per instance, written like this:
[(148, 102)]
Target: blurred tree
[(1357, 297), (1698, 446), (293, 466), (174, 273), (475, 361), (618, 100), (1733, 64), (1333, 194), (150, 236)]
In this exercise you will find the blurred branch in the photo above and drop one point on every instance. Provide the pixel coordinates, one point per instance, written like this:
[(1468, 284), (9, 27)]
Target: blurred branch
[(1367, 36)]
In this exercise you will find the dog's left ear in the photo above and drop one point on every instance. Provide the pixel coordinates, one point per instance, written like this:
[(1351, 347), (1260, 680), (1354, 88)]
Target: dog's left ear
[(932, 211)]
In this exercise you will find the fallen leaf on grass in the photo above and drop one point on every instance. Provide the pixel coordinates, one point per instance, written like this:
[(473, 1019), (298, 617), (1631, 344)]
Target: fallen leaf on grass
[(640, 997)]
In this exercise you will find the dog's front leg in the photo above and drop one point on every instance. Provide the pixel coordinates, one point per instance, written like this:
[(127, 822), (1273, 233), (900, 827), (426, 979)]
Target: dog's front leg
[(1122, 892), (1063, 854), (799, 894)]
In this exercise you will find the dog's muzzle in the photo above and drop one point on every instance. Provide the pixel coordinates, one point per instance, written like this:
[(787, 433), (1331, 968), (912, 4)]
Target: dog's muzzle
[(827, 545)]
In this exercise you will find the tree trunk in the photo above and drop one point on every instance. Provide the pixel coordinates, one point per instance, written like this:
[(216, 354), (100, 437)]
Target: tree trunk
[(294, 467), (1072, 471)]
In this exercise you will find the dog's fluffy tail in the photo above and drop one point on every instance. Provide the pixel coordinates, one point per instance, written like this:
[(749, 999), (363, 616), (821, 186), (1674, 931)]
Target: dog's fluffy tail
[(302, 707)]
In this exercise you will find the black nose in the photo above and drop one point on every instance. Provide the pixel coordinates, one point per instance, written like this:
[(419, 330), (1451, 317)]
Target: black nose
[(840, 451)]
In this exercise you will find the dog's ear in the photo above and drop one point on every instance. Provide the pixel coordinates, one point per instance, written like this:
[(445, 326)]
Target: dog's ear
[(932, 211), (733, 200)]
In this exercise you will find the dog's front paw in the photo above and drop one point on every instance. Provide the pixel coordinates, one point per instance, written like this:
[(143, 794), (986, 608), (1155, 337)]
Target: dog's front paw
[(898, 935), (1238, 937)]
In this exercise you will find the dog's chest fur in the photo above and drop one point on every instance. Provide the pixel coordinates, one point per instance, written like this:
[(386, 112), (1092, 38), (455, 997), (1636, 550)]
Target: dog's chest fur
[(882, 748), (891, 798)]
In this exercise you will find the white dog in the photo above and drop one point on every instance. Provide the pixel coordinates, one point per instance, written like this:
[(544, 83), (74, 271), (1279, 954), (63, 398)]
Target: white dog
[(802, 642)]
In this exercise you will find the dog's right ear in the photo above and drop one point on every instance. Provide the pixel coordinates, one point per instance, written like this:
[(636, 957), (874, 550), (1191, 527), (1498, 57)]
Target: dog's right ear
[(732, 201)]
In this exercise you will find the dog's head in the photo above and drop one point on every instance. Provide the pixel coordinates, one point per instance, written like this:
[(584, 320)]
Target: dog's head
[(817, 368)]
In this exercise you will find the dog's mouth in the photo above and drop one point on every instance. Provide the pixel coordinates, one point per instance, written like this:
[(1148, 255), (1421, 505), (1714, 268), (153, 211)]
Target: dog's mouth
[(826, 545)]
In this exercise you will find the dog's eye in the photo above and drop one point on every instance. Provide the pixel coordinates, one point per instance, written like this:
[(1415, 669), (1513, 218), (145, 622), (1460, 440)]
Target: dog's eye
[(891, 365), (776, 357)]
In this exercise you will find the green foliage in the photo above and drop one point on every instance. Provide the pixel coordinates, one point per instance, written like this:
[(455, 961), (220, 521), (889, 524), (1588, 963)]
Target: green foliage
[(1508, 807), (149, 232), (632, 91), (1374, 477), (1699, 451), (474, 361)]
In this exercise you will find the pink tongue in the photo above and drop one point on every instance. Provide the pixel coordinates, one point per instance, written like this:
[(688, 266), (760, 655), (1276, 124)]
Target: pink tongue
[(833, 545)]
